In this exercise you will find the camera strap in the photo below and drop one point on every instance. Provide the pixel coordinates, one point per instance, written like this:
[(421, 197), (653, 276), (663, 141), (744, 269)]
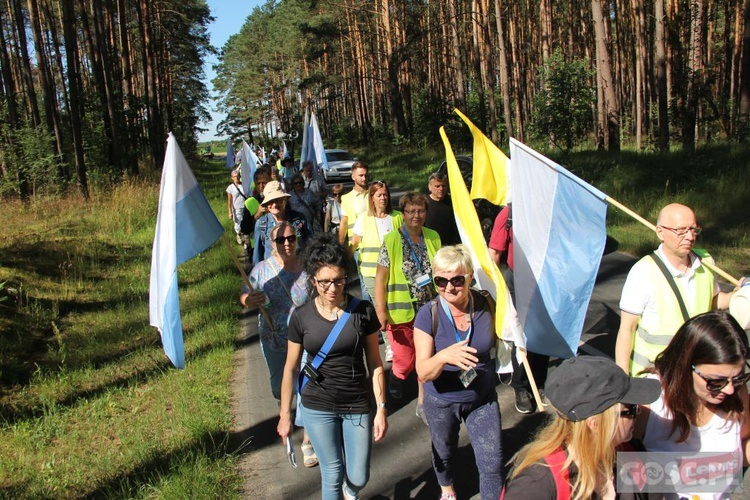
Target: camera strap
[(323, 352)]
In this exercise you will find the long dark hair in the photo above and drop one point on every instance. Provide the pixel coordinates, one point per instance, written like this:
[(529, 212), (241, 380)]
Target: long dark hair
[(713, 338), (322, 250)]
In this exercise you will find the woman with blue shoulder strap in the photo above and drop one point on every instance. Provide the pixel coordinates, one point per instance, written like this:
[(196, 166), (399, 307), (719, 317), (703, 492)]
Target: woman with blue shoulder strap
[(340, 335)]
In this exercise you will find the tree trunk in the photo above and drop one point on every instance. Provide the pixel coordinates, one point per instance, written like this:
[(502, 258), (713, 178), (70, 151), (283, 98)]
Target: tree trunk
[(744, 118), (76, 105), (660, 63), (695, 76), (504, 74), (610, 122)]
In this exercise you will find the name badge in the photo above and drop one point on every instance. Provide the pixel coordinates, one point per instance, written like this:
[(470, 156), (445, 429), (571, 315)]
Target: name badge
[(423, 280), (467, 376)]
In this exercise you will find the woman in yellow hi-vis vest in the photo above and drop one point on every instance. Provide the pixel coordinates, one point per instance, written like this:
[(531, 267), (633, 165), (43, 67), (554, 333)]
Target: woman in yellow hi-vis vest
[(403, 284), (370, 230)]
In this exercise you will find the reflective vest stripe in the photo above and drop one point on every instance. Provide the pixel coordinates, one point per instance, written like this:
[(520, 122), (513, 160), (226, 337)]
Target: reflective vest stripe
[(369, 248), (399, 302), (648, 344)]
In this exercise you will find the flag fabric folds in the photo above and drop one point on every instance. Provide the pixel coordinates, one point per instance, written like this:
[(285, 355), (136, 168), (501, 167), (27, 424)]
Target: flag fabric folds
[(559, 231), (491, 173), (230, 154), (313, 149), (181, 205), (486, 273), (248, 164)]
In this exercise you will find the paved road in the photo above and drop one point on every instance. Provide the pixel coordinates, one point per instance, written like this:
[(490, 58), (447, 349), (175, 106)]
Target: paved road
[(401, 462)]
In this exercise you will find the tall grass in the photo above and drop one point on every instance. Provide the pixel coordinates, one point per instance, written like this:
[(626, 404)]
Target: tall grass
[(89, 404)]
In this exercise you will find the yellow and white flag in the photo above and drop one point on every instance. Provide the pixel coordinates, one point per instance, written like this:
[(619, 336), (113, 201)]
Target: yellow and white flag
[(486, 273)]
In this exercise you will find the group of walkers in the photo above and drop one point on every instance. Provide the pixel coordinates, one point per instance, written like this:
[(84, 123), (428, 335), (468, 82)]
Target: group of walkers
[(321, 345)]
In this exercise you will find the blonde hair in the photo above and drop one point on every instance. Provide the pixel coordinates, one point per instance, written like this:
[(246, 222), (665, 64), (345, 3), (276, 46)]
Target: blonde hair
[(452, 257), (590, 447)]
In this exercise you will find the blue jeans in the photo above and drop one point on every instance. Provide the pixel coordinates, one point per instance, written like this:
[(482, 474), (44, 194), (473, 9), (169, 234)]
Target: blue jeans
[(343, 444), (275, 361), (483, 424)]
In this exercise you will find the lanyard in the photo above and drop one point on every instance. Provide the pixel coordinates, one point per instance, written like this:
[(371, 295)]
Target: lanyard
[(413, 253), (453, 324)]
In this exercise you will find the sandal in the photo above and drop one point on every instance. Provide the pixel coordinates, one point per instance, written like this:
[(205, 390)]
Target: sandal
[(310, 459)]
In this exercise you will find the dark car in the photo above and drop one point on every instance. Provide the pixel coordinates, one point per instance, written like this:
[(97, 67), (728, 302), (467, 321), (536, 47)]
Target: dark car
[(486, 211)]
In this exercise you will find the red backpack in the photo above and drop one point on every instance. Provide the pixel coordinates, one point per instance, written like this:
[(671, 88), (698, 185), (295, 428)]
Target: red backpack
[(561, 475)]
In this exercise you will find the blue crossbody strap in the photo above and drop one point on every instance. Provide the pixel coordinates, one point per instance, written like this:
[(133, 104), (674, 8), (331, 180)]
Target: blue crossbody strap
[(323, 352)]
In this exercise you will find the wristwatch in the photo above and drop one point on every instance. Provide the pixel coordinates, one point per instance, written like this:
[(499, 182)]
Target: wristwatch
[(381, 405)]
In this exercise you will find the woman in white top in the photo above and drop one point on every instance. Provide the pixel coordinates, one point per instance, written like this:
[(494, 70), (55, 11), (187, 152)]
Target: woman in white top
[(703, 374), (370, 229)]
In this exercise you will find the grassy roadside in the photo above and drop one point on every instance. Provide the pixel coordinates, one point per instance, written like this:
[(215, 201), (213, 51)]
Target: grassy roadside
[(714, 181), (89, 404)]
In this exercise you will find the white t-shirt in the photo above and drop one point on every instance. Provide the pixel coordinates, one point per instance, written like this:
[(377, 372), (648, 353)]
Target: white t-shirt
[(719, 435), (384, 225), (640, 300)]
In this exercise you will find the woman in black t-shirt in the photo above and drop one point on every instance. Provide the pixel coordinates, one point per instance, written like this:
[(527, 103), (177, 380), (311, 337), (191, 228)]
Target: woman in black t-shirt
[(337, 403)]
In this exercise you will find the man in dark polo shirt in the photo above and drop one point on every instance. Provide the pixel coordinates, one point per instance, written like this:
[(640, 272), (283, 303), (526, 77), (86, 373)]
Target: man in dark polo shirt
[(440, 210)]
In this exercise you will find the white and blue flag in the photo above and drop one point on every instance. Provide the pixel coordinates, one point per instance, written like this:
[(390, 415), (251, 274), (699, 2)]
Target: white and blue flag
[(185, 227), (559, 231), (248, 165)]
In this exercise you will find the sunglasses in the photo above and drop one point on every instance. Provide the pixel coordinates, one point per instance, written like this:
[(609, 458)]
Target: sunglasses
[(630, 411), (279, 240), (717, 384), (456, 281)]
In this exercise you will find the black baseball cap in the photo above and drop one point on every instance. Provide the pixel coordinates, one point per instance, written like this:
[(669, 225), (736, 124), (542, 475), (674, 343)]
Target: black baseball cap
[(587, 385)]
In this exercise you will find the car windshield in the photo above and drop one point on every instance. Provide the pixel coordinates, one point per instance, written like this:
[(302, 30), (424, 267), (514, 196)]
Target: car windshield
[(339, 156)]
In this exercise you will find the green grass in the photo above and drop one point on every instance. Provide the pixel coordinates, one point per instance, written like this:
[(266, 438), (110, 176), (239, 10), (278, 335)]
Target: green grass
[(714, 181), (89, 403)]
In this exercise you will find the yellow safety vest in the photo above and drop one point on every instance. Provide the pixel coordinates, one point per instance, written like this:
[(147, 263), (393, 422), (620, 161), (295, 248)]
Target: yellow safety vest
[(648, 344), (398, 300), (349, 204), (369, 247)]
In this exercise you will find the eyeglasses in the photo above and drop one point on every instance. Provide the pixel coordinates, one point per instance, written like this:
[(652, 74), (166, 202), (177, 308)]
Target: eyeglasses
[(456, 281), (381, 182), (717, 384), (279, 240), (630, 411), (682, 231), (326, 284), (418, 213)]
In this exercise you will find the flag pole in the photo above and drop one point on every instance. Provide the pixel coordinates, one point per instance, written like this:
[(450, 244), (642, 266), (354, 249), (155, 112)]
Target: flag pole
[(241, 268), (646, 223), (532, 381)]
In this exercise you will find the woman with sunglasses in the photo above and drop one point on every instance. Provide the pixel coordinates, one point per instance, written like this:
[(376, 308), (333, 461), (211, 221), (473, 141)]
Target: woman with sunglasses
[(338, 404), (369, 231), (403, 284), (596, 404), (453, 337), (279, 286), (703, 403)]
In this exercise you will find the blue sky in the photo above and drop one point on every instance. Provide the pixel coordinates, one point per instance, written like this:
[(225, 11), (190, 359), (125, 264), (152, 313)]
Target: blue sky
[(230, 16)]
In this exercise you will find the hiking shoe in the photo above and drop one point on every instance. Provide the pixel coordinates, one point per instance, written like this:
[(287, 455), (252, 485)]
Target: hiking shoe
[(420, 414), (388, 354), (524, 401), (448, 496), (239, 240), (395, 387)]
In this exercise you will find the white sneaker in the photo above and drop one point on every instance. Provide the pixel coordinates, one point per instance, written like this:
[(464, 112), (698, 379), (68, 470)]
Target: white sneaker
[(388, 354)]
